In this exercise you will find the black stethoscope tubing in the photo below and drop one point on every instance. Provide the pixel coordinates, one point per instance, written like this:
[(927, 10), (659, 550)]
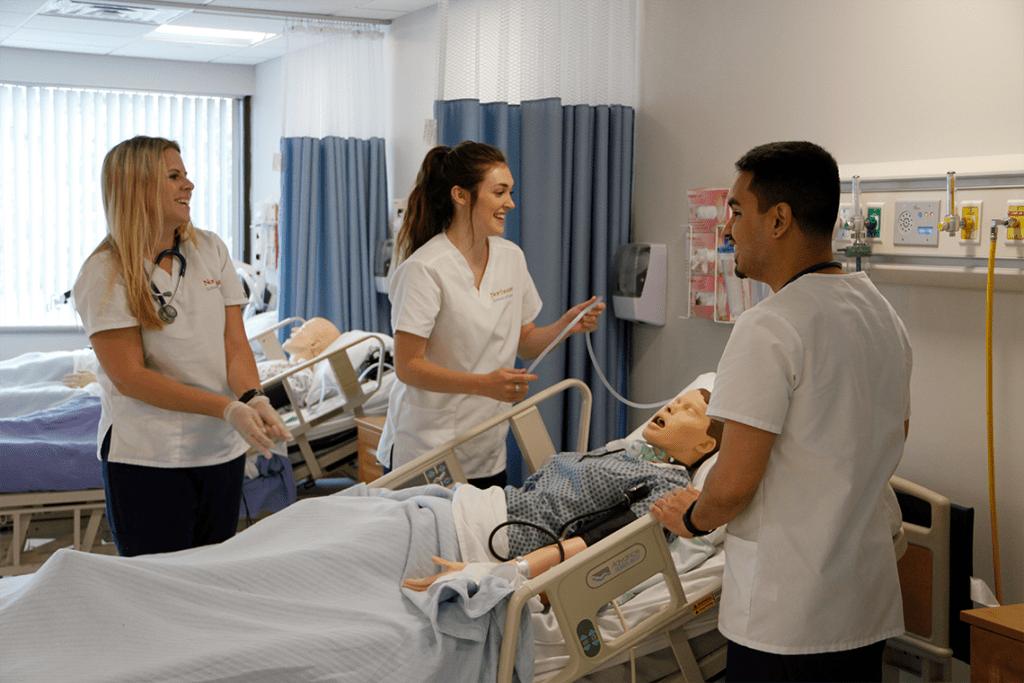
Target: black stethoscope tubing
[(166, 311)]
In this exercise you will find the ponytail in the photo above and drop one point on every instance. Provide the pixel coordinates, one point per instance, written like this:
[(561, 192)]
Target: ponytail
[(430, 208)]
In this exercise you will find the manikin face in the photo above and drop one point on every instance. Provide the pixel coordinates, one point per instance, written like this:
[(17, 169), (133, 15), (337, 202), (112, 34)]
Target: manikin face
[(680, 428), (176, 191), (748, 229), (493, 201), (310, 339)]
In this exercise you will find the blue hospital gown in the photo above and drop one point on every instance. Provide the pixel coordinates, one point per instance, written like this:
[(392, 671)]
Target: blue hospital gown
[(571, 484)]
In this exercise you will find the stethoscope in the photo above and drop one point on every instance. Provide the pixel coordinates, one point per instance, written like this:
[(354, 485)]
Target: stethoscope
[(166, 311)]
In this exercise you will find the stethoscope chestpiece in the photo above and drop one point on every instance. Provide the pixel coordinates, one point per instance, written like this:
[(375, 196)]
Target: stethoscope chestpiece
[(166, 312)]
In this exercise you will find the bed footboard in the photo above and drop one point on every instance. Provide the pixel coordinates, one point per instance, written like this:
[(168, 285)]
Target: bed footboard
[(924, 581), (587, 582)]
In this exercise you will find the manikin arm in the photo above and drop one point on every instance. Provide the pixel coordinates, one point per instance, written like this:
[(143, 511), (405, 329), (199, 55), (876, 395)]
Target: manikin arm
[(538, 561)]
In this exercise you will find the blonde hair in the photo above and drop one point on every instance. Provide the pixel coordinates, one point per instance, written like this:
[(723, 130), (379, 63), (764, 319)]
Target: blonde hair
[(132, 187)]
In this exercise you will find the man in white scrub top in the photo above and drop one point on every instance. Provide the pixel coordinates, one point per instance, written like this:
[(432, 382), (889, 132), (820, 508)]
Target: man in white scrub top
[(814, 391)]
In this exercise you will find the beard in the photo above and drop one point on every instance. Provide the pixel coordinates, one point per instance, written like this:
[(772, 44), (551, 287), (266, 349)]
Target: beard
[(740, 274)]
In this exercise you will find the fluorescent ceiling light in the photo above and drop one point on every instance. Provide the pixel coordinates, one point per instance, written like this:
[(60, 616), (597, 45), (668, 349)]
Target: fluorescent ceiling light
[(194, 34)]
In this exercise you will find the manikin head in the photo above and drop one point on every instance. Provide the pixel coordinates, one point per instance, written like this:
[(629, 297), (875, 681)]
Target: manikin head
[(683, 430), (311, 339)]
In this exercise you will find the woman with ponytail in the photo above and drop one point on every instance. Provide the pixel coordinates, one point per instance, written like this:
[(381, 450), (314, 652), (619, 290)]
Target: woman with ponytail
[(463, 306), (161, 304)]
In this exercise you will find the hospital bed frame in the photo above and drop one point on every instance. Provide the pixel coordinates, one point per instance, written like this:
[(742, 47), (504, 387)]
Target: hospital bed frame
[(923, 650), (315, 465), (62, 519), (585, 583)]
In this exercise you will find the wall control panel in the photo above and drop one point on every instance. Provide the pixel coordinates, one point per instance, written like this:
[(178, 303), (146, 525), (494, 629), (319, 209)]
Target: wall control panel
[(917, 224)]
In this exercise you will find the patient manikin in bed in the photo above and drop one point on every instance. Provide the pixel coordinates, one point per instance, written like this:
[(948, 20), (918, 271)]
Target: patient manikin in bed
[(567, 492), (310, 339)]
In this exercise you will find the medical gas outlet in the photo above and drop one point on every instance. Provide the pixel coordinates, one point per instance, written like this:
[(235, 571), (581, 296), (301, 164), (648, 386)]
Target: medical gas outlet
[(1014, 222)]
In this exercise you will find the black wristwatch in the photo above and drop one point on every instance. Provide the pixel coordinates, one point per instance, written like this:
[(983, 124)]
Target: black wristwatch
[(250, 395), (689, 525)]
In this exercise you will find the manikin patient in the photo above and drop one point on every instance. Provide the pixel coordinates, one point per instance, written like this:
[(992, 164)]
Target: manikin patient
[(675, 441), (310, 339)]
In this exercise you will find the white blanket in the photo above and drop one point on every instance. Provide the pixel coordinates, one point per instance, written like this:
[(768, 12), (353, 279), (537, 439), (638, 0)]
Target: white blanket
[(311, 593)]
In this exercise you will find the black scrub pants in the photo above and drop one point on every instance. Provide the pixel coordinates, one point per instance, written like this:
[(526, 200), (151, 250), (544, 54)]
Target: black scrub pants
[(744, 665), (163, 509)]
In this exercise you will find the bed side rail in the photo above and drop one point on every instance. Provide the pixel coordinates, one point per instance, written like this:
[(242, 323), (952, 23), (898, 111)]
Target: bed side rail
[(441, 466), (924, 579), (345, 373), (270, 343), (585, 583)]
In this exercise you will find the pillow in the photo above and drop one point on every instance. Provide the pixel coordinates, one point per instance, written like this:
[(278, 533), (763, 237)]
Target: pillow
[(705, 381)]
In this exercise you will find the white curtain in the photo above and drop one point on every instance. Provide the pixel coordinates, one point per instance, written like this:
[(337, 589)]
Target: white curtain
[(334, 81), (580, 51), (51, 210), (333, 179)]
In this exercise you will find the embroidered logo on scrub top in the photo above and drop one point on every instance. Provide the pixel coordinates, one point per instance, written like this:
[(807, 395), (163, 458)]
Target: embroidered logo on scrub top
[(211, 284), (502, 294)]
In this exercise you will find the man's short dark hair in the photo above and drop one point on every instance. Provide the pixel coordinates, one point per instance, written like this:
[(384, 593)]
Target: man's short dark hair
[(801, 174)]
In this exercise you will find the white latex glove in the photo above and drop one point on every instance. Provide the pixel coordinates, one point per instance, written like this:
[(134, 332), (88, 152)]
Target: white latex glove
[(247, 422), (273, 424)]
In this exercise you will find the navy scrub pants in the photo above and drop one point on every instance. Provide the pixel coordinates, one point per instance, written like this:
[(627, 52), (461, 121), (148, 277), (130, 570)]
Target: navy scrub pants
[(860, 665), (160, 510)]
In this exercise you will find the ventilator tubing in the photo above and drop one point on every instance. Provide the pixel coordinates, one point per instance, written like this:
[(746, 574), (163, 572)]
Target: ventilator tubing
[(593, 359)]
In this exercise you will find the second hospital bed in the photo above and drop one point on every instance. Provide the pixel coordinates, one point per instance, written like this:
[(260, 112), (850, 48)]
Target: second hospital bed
[(51, 493)]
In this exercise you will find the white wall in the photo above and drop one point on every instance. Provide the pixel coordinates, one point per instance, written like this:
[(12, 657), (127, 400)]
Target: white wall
[(412, 45), (867, 79)]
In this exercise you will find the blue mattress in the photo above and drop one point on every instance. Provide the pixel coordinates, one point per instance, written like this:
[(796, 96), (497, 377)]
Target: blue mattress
[(55, 450), (52, 449)]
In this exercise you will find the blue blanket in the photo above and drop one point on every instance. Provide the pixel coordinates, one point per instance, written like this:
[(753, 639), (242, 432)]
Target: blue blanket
[(52, 449), (312, 593)]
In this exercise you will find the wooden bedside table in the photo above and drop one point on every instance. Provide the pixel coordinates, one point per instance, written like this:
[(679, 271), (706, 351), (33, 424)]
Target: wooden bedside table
[(368, 431), (997, 643)]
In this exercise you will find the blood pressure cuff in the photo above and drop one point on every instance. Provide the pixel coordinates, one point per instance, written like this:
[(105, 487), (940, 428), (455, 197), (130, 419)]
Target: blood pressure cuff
[(594, 531)]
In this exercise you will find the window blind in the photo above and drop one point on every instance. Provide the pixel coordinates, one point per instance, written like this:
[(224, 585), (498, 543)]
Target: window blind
[(51, 209)]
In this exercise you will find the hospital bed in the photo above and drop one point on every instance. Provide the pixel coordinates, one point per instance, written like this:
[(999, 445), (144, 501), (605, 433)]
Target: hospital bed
[(342, 394), (672, 622), (63, 505), (579, 636)]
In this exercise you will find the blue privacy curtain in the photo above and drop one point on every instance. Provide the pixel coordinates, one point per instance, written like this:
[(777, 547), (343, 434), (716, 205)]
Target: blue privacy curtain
[(573, 171), (552, 83), (333, 214), (333, 175)]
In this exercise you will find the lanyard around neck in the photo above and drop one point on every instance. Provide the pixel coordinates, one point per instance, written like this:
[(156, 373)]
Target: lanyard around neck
[(814, 269)]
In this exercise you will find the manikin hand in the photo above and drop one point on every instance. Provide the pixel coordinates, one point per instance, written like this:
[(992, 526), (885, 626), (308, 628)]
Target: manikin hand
[(273, 424), (77, 380), (247, 422), (669, 509), (425, 583)]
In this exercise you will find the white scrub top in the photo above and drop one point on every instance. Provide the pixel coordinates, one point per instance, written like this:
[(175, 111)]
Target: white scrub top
[(433, 295), (809, 563), (190, 350)]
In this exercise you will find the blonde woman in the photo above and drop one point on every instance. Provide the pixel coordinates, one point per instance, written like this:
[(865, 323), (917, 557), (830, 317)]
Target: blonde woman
[(181, 397)]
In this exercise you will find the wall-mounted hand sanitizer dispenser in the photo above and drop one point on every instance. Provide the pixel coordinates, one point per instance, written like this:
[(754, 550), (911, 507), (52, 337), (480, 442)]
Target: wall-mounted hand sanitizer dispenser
[(382, 264), (639, 282)]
